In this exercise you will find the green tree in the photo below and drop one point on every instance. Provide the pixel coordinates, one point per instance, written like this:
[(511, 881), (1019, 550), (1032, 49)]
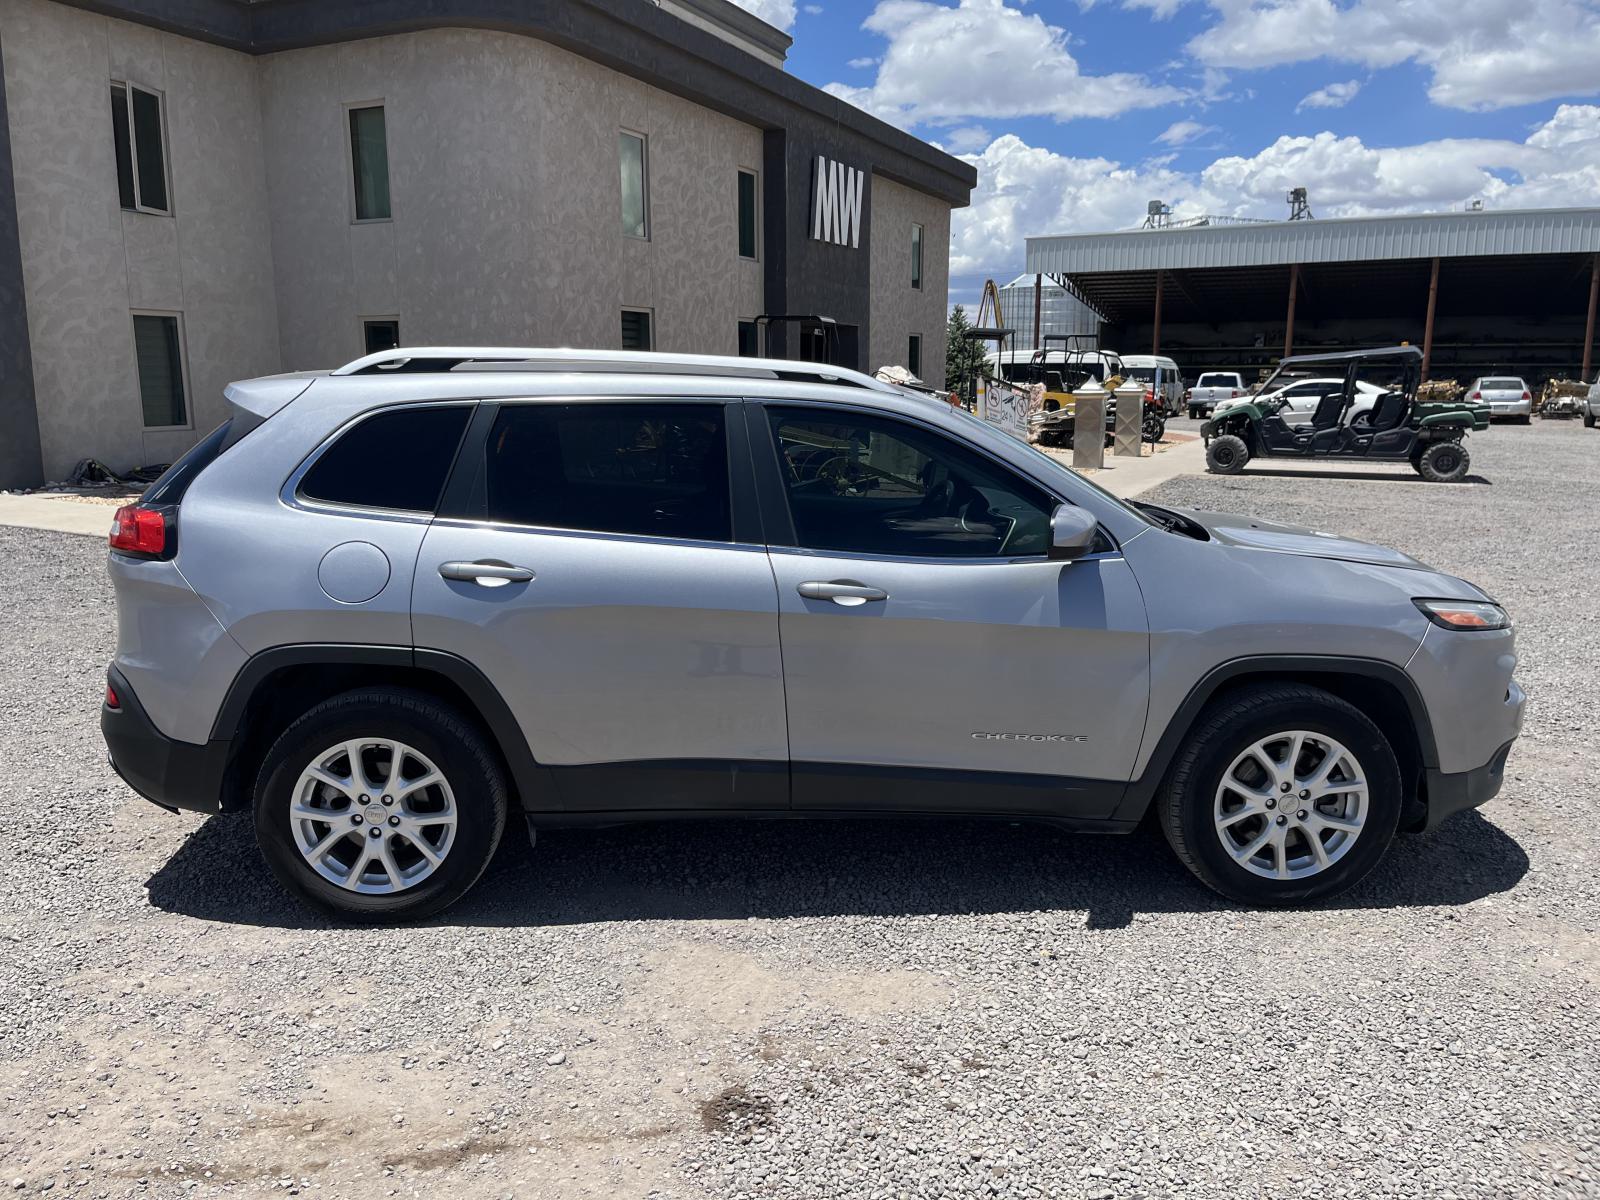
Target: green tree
[(963, 355)]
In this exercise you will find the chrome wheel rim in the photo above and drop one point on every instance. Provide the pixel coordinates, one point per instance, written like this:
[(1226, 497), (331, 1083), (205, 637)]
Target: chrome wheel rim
[(373, 815), (1291, 805)]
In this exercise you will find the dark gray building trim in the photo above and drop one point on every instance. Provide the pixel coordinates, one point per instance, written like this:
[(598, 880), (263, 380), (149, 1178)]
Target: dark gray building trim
[(20, 462), (631, 36)]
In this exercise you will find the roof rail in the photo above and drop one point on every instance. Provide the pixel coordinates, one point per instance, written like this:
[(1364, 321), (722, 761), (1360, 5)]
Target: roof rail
[(443, 359)]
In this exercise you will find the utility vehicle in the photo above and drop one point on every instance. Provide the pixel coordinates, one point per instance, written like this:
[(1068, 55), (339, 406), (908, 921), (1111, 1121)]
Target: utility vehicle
[(1397, 427)]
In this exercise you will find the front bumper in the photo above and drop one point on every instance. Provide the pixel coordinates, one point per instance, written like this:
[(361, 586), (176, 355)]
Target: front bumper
[(163, 770), (1450, 793)]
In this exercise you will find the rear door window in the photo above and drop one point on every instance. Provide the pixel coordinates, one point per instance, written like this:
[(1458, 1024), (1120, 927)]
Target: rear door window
[(395, 460), (655, 470)]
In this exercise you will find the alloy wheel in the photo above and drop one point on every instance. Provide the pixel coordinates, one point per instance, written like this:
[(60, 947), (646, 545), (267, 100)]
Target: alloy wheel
[(373, 815), (1291, 805)]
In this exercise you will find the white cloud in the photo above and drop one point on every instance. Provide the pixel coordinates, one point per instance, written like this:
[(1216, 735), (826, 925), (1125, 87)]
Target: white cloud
[(859, 63), (1161, 10), (814, 10), (985, 59), (1482, 54), (773, 12), (1181, 132), (1024, 190), (966, 139), (1335, 95)]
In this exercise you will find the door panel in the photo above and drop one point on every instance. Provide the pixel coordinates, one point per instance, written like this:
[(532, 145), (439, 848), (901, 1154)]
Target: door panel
[(1014, 667), (618, 651)]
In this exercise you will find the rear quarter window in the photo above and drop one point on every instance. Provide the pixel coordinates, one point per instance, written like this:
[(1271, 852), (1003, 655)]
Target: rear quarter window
[(396, 460)]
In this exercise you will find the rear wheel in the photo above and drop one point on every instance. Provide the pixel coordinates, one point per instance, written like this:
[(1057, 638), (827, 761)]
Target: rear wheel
[(1588, 419), (1227, 455), (1283, 794), (380, 805), (1194, 413), (1155, 427), (1444, 462)]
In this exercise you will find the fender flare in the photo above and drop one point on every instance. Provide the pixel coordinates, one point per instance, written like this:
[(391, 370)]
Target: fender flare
[(527, 775), (1142, 791)]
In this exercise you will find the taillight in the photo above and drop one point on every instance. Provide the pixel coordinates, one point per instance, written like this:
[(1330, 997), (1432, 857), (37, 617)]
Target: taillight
[(137, 530), (111, 698), (1234, 393), (1527, 395), (1477, 395)]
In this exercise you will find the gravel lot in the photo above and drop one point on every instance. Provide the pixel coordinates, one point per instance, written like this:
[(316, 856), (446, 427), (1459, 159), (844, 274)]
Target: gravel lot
[(790, 1010)]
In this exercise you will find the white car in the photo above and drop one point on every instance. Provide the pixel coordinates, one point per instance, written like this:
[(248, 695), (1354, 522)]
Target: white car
[(1506, 396), (1303, 395), (1591, 404)]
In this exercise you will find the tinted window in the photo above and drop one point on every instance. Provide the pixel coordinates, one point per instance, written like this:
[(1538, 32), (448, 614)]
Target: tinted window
[(1503, 385), (369, 155), (658, 470), (397, 459), (158, 353), (1217, 381), (749, 340), (747, 215), (877, 486), (381, 335), (149, 153), (635, 185)]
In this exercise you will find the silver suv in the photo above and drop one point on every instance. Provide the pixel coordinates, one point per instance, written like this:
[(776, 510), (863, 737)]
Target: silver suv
[(382, 606)]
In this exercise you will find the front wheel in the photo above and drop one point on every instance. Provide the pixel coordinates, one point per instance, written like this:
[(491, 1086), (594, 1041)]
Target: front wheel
[(1155, 428), (1227, 455), (380, 805), (1444, 462), (1283, 793)]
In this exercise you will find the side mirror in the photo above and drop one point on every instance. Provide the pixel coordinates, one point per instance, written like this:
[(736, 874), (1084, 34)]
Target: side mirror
[(1072, 532)]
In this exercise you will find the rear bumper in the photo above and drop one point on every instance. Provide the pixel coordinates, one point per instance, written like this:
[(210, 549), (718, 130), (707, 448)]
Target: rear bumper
[(163, 770), (1453, 792)]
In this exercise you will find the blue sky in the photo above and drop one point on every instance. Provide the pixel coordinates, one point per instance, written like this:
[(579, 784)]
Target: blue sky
[(1077, 112)]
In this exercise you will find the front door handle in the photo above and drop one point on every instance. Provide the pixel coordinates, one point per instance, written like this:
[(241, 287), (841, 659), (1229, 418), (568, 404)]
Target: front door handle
[(489, 573), (846, 592)]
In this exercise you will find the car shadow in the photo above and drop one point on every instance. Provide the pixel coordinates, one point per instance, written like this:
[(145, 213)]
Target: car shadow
[(730, 870), (1363, 476)]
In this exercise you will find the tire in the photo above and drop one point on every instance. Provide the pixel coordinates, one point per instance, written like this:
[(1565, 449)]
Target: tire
[(1588, 419), (1227, 455), (1195, 802), (433, 735), (1444, 462), (1525, 420), (1154, 429), (1194, 413)]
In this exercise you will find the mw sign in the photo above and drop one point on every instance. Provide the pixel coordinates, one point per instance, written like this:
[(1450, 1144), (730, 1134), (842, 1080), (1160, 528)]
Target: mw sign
[(836, 203)]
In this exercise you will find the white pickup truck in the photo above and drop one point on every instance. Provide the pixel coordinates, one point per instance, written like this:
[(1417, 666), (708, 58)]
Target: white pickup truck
[(1211, 389)]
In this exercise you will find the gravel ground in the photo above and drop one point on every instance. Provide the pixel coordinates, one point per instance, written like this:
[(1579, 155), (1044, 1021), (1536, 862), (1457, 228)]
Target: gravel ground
[(828, 1010)]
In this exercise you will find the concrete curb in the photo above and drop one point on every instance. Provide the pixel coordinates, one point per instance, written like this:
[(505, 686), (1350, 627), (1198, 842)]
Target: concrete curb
[(57, 514)]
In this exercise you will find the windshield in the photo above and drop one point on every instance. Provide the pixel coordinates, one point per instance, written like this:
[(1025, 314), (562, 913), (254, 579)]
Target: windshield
[(1218, 381), (1503, 385)]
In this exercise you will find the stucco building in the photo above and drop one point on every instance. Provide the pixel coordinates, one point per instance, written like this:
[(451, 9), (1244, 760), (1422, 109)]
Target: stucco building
[(195, 191)]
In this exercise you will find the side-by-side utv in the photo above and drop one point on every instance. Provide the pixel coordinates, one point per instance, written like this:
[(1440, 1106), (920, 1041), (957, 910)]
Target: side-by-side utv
[(1398, 426)]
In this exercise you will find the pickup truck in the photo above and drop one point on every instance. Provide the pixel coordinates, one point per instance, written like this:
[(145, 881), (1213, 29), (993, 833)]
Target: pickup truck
[(1212, 388)]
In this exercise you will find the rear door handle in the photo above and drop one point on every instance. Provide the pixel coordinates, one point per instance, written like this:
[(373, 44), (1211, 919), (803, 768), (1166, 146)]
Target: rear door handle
[(489, 573), (846, 592)]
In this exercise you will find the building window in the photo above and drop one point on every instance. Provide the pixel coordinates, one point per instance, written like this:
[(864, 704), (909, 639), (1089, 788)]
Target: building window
[(138, 130), (916, 257), (747, 214), (749, 340), (369, 159), (381, 334), (914, 355), (637, 333), (635, 184), (158, 349)]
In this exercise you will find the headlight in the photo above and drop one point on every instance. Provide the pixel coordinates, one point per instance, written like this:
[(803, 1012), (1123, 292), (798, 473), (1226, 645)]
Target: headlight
[(1464, 614)]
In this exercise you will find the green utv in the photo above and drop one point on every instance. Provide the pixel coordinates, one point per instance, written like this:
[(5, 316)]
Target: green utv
[(1395, 427)]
